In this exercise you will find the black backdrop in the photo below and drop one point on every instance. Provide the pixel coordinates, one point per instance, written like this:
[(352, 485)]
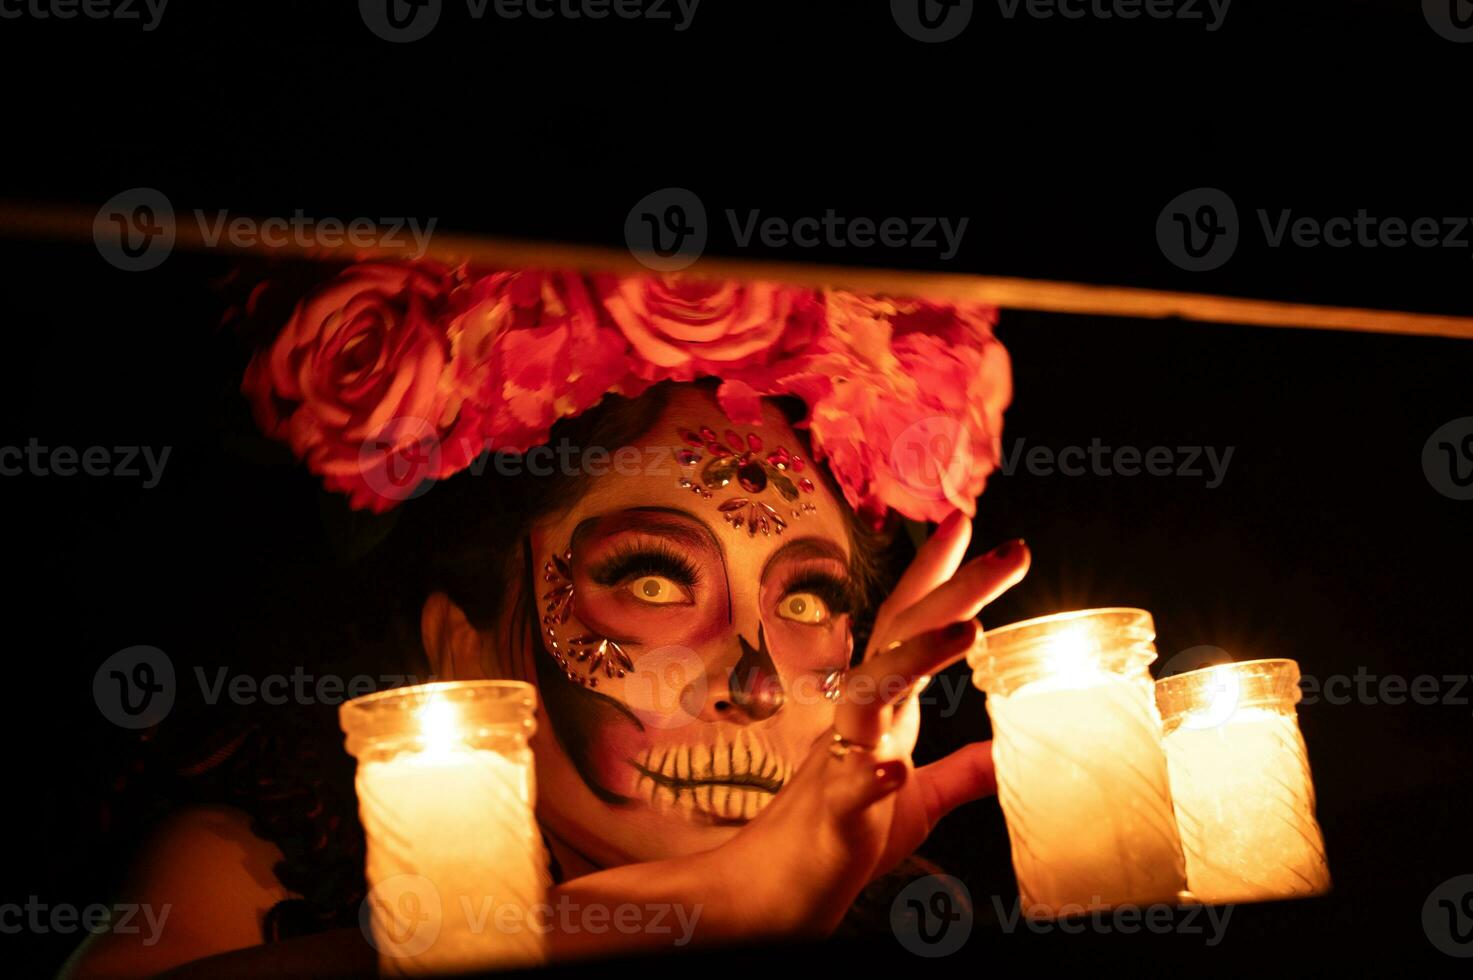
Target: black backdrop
[(1061, 141)]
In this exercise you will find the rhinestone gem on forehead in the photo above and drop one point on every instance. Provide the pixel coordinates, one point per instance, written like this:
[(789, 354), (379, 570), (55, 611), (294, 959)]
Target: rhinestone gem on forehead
[(587, 651), (740, 459)]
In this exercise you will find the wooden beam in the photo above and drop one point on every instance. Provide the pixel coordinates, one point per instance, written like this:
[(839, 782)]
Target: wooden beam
[(28, 221)]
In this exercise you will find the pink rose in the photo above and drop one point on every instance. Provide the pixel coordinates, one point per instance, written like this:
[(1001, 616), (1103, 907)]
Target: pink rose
[(354, 383), (906, 404), (530, 348), (682, 327)]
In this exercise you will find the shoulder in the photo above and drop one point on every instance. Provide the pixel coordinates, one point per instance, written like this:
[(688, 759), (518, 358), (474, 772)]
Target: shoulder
[(202, 885)]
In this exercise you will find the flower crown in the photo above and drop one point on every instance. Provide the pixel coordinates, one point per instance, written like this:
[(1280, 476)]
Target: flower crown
[(395, 374)]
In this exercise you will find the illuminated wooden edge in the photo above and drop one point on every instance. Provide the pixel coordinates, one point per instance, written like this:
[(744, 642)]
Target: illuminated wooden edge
[(75, 225)]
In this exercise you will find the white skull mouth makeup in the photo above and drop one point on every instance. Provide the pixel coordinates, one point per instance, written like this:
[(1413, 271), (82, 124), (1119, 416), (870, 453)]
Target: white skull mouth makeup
[(729, 779)]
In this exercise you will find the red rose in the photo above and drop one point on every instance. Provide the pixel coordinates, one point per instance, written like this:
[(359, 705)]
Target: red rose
[(682, 327), (355, 382), (906, 404), (530, 348)]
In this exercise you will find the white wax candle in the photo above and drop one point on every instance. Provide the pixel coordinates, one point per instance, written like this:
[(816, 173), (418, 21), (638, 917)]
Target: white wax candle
[(1082, 781), (1245, 807), (460, 819)]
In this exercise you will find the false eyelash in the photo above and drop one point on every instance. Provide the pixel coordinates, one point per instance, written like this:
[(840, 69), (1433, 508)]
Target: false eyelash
[(836, 593), (631, 561)]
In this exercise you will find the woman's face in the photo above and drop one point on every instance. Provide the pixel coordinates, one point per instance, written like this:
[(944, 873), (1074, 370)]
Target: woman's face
[(694, 609)]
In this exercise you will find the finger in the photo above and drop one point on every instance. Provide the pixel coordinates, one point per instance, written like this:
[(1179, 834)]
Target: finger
[(861, 782), (977, 583), (936, 561), (965, 775), (862, 714)]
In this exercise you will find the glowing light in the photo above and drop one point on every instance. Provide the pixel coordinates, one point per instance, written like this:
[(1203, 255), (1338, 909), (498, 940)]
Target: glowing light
[(439, 725), (1073, 658), (1221, 688)]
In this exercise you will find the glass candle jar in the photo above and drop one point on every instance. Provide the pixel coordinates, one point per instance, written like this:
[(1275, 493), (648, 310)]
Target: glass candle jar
[(455, 862), (1081, 774), (1240, 780)]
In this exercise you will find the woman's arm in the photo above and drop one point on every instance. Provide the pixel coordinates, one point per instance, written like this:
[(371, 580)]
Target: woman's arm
[(202, 886)]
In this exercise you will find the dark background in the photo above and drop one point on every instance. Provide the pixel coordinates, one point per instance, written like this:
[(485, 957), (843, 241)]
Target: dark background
[(1060, 140)]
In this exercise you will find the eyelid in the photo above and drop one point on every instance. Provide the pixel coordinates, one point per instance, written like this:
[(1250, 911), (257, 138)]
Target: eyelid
[(630, 560), (837, 592)]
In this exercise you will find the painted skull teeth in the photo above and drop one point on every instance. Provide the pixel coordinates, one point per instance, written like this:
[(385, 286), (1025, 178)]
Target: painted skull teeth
[(732, 778), (588, 652), (740, 460)]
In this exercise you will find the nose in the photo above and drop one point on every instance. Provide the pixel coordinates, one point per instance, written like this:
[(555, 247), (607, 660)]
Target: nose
[(750, 690)]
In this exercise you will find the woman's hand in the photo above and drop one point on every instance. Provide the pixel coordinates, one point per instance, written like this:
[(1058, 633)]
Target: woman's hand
[(857, 807)]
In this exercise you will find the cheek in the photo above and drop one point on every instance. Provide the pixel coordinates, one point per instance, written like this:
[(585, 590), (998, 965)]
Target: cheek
[(803, 647), (615, 612)]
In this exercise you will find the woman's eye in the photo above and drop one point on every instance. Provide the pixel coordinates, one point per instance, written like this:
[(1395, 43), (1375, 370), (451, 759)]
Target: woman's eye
[(657, 590), (803, 607)]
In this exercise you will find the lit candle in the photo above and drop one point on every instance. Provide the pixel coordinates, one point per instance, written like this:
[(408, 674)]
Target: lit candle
[(446, 792), (1241, 784), (1081, 775)]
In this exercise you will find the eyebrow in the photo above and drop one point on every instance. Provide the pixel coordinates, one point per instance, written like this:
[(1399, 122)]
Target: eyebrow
[(671, 522), (799, 548)]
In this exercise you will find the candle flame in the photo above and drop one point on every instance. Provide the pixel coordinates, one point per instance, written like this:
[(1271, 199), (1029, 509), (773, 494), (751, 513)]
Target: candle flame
[(439, 724), (1072, 657), (1218, 691)]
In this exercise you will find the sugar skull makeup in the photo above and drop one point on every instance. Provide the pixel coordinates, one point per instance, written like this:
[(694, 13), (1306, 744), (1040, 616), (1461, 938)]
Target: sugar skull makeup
[(689, 651)]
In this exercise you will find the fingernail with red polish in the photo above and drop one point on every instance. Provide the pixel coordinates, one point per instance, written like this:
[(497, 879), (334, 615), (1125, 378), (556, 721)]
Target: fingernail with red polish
[(1007, 550), (960, 631), (890, 773)]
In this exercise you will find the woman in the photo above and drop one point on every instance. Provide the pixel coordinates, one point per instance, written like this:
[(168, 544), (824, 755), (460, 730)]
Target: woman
[(725, 720)]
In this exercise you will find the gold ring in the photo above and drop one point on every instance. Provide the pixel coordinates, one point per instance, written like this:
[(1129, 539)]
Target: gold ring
[(839, 746)]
